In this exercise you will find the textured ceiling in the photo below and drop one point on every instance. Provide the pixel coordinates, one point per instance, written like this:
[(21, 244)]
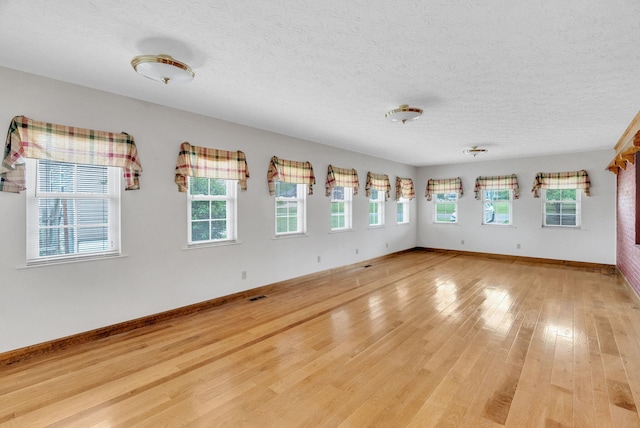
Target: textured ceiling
[(519, 78)]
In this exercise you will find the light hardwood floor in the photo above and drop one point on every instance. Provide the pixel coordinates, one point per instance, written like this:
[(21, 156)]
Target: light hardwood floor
[(419, 339)]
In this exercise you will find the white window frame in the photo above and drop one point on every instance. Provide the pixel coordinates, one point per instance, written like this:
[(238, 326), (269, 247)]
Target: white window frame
[(299, 202), (486, 201), (578, 202), (33, 197), (379, 201), (231, 207), (450, 198), (403, 213), (347, 204)]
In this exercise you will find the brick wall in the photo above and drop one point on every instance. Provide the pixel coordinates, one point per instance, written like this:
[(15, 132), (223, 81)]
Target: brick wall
[(627, 252)]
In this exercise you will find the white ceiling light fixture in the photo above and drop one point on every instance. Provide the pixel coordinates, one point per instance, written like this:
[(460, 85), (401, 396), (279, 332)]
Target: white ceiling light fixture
[(162, 68), (403, 113), (475, 151)]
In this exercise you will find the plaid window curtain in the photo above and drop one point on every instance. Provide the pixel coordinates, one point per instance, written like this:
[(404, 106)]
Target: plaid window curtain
[(444, 185), (497, 182), (194, 161), (561, 180), (27, 138), (289, 171), (378, 182), (343, 177), (404, 188)]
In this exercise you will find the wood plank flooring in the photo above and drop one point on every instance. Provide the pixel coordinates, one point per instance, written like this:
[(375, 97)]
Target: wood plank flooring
[(421, 339)]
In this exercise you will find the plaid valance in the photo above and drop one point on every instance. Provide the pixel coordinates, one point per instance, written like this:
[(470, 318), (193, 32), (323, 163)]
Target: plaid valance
[(444, 185), (561, 180), (497, 182), (378, 182), (289, 171), (343, 177), (194, 161), (404, 188), (27, 138)]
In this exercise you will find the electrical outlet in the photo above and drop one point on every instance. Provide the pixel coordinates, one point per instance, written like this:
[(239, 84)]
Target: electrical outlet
[(518, 246), (386, 245), (319, 259), (356, 251), (462, 242), (244, 274)]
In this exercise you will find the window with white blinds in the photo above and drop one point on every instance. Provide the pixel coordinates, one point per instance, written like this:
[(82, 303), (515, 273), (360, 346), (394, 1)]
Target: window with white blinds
[(73, 211)]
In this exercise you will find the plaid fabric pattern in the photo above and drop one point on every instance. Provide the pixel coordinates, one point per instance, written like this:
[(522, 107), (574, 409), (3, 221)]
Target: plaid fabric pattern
[(289, 171), (194, 161), (444, 185), (378, 182), (497, 182), (342, 177), (27, 138), (561, 180), (404, 188)]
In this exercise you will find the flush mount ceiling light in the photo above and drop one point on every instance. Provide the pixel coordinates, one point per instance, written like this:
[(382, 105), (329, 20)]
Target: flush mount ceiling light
[(474, 151), (162, 68), (403, 113)]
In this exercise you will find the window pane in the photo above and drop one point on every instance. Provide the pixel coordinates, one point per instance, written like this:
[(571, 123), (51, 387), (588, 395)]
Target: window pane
[(200, 210), (568, 194), (93, 239), (338, 193), (286, 216), (218, 209), (217, 187), (93, 211), (444, 212), (337, 208), (198, 186), (56, 176), (498, 212), (200, 231), (218, 229), (56, 212), (286, 190), (57, 241), (497, 195), (92, 179)]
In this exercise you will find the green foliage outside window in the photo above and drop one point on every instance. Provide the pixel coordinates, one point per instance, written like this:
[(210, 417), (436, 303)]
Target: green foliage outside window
[(208, 217), (561, 207)]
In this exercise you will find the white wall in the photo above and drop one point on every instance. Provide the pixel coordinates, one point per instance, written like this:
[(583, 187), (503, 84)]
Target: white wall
[(158, 273), (593, 242)]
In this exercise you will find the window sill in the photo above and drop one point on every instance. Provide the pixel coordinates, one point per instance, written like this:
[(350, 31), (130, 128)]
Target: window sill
[(71, 261), (404, 224), (340, 230), (290, 235), (211, 245), (378, 226), (454, 223)]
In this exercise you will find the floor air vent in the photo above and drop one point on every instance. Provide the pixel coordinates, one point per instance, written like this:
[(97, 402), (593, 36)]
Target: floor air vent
[(253, 299), (367, 266)]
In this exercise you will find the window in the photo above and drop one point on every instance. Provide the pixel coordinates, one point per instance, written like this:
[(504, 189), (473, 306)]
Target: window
[(290, 208), (496, 206), (211, 210), (341, 208), (403, 210), (446, 207), (561, 207), (376, 208), (73, 210)]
